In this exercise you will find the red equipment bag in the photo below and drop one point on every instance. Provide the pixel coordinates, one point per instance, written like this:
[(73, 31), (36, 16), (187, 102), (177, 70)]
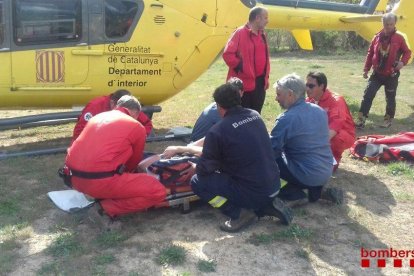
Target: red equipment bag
[(175, 173), (381, 148)]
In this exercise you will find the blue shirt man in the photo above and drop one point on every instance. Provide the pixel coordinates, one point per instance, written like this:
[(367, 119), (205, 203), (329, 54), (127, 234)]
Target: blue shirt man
[(300, 141), (210, 116)]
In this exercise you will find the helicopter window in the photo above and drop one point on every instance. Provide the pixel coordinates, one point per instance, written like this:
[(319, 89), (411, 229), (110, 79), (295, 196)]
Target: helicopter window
[(1, 23), (119, 16), (46, 21)]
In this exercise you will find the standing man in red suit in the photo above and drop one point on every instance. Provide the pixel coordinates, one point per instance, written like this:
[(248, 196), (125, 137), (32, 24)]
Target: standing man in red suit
[(341, 124), (103, 159), (102, 104), (387, 55), (247, 56)]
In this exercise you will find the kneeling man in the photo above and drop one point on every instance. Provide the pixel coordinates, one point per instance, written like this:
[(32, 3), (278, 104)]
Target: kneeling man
[(341, 124), (236, 172), (300, 141), (102, 161)]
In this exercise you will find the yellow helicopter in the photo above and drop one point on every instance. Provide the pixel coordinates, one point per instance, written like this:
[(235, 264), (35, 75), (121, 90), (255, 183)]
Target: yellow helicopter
[(63, 53)]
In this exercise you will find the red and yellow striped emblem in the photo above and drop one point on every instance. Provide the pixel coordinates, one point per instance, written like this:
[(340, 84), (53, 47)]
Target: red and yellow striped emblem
[(50, 66)]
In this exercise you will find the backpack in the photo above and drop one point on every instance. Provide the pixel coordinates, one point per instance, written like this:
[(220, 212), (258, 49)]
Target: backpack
[(381, 148), (174, 173)]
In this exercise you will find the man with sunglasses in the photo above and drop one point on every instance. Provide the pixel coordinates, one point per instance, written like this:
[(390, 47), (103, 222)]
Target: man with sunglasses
[(300, 142), (341, 124)]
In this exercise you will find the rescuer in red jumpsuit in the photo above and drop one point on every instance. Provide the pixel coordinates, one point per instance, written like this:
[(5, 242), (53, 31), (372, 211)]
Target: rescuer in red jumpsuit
[(102, 104), (341, 124), (103, 159)]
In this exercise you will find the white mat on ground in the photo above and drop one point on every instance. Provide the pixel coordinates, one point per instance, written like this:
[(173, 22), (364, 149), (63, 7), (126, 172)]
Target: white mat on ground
[(69, 200), (180, 131)]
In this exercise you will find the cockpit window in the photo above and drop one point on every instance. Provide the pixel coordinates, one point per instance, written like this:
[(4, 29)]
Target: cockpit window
[(47, 21), (119, 15)]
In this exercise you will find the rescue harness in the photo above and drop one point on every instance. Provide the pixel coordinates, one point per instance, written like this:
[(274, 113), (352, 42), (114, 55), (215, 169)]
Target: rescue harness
[(66, 174)]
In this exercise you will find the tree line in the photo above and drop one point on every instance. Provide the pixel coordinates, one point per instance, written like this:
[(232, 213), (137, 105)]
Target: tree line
[(323, 41)]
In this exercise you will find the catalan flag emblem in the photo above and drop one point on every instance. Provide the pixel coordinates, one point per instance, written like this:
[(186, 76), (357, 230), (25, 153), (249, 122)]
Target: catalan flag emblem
[(50, 66)]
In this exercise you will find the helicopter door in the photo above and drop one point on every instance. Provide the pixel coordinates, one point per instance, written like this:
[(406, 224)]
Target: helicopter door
[(4, 46), (47, 34)]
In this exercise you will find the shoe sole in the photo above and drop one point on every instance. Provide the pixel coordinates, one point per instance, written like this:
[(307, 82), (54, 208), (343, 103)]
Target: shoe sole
[(285, 213), (234, 230), (334, 196), (383, 126)]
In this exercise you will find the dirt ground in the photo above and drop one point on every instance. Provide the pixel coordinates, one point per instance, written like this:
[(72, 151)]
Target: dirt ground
[(325, 239)]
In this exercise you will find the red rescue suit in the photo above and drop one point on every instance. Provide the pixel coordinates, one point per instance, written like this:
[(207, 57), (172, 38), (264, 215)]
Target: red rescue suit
[(339, 120), (99, 105), (111, 139), (396, 50), (240, 55)]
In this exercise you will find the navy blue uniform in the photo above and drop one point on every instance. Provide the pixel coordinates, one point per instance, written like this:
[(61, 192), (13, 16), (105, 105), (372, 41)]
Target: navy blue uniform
[(208, 118), (237, 168)]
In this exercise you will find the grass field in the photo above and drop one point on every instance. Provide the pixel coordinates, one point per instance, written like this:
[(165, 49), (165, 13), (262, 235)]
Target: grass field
[(38, 239)]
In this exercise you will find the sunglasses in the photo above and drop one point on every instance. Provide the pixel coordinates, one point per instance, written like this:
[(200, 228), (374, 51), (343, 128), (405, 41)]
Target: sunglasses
[(310, 85)]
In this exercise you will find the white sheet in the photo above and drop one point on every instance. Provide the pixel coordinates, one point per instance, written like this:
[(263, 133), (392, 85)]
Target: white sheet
[(69, 200)]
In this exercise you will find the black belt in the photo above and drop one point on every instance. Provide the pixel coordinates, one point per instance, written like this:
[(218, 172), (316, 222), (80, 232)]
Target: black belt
[(97, 175)]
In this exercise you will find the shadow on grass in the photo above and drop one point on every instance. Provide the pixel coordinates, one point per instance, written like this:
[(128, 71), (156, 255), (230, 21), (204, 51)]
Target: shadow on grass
[(368, 191), (324, 238), (374, 121), (344, 232)]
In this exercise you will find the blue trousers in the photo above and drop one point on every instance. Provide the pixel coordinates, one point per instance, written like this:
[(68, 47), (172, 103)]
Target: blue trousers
[(293, 190), (220, 185)]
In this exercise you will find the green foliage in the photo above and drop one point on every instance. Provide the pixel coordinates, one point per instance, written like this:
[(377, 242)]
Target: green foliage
[(104, 259), (258, 239), (326, 40), (403, 196), (294, 231), (7, 260), (12, 231), (353, 104), (281, 40), (9, 245), (299, 212), (302, 253), (171, 255), (206, 266), (64, 245), (323, 41), (400, 168), (109, 239), (99, 271), (52, 268), (316, 66), (9, 207)]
